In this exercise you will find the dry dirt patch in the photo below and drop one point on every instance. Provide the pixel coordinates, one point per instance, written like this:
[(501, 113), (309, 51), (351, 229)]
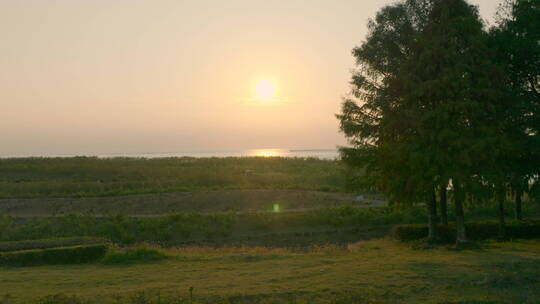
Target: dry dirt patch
[(167, 203)]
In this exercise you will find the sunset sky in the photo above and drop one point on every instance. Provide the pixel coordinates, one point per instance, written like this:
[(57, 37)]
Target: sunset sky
[(126, 76)]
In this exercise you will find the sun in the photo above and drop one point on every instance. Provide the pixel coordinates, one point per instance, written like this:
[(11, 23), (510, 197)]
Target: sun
[(265, 91)]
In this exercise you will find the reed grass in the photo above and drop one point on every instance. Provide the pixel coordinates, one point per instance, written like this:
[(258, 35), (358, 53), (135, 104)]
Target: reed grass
[(92, 176)]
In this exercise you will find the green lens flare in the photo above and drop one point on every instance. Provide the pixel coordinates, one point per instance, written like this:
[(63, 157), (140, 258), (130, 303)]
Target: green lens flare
[(276, 208)]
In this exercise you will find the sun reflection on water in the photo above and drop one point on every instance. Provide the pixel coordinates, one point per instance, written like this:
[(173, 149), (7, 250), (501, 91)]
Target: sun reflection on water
[(269, 152)]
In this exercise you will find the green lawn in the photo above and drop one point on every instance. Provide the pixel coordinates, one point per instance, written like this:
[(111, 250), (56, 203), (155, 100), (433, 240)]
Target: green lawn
[(379, 271)]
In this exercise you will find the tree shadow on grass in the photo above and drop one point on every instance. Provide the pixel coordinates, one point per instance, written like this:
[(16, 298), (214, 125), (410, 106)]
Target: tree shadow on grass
[(483, 277)]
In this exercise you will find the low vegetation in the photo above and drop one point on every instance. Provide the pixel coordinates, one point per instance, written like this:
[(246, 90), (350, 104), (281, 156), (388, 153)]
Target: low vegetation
[(528, 229), (133, 255), (124, 230), (52, 256), (48, 243), (92, 176), (377, 271), (103, 253), (270, 229)]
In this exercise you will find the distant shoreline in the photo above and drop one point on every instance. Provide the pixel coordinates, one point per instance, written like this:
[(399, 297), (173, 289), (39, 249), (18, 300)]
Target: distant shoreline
[(317, 153)]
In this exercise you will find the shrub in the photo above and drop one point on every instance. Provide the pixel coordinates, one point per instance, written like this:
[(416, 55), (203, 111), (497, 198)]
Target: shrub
[(131, 255), (121, 229), (476, 231), (348, 216), (410, 232), (48, 243), (61, 255)]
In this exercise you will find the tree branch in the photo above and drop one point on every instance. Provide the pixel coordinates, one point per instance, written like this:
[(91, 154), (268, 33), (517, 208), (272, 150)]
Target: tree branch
[(533, 87)]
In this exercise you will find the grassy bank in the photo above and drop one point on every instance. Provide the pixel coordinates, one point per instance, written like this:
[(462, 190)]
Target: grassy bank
[(319, 226), (196, 227), (379, 271), (91, 176)]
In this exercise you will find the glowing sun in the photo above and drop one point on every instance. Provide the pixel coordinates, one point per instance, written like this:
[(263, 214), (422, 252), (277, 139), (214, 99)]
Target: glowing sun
[(265, 91)]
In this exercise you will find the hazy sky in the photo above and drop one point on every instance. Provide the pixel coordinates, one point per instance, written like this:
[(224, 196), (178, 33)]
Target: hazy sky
[(106, 76)]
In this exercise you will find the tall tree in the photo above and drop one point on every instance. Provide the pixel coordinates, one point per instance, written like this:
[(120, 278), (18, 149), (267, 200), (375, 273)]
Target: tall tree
[(444, 204), (452, 79), (516, 38), (376, 127), (422, 102)]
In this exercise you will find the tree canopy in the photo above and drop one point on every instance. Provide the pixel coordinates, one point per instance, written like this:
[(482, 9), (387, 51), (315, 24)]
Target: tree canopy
[(437, 99)]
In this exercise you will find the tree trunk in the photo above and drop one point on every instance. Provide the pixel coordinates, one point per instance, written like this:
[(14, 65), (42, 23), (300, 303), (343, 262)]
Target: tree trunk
[(432, 218), (501, 198), (444, 207), (461, 233), (519, 215)]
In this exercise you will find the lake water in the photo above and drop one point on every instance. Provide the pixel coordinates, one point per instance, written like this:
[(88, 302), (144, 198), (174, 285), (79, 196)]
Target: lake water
[(318, 153)]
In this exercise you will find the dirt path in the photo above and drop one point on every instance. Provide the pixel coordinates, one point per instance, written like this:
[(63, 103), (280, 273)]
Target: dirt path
[(168, 203)]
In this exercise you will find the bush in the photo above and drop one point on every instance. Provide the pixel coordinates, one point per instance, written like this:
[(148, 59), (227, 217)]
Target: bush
[(349, 216), (138, 254), (123, 230), (476, 231), (61, 255), (48, 243)]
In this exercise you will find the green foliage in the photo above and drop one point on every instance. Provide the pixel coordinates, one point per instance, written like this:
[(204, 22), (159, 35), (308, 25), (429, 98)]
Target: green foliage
[(51, 256), (135, 254), (436, 98), (191, 228), (124, 230), (49, 243), (515, 42), (91, 176), (516, 38), (529, 229), (351, 216), (183, 227), (421, 99)]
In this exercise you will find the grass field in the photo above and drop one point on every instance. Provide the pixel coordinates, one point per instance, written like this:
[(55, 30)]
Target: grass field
[(380, 271), (219, 232), (224, 228), (91, 176)]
